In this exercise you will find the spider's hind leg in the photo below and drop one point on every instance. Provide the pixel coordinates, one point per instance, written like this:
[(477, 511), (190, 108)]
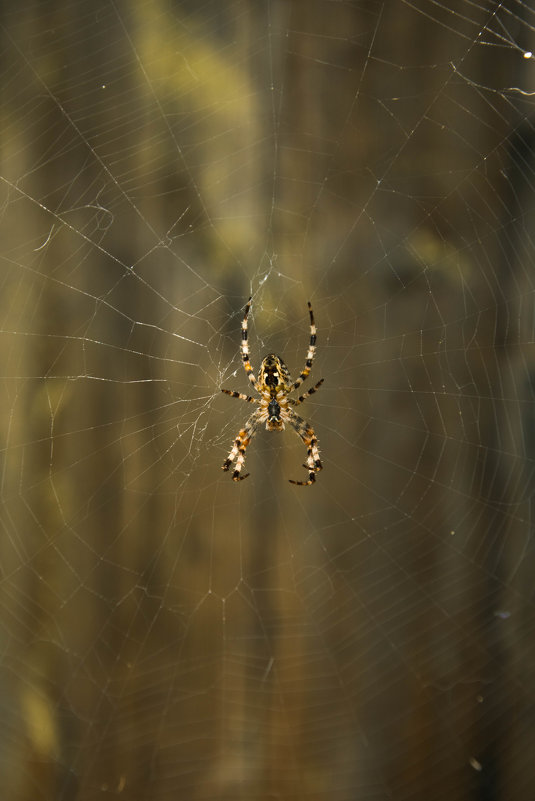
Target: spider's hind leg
[(311, 350), (245, 346)]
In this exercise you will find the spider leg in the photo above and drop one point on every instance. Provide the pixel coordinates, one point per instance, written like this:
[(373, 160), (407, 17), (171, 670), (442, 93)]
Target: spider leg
[(241, 442), (306, 432), (245, 346), (297, 401), (311, 350), (239, 395)]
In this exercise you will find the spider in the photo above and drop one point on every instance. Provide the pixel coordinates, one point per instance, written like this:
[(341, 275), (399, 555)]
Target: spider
[(274, 405)]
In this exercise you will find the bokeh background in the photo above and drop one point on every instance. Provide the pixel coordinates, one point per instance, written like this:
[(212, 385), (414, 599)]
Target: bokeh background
[(166, 633)]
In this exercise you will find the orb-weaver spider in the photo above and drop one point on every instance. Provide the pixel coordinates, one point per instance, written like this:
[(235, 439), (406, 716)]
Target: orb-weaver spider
[(275, 407)]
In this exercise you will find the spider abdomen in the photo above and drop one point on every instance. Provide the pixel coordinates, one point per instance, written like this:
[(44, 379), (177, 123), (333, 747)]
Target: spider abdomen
[(274, 374)]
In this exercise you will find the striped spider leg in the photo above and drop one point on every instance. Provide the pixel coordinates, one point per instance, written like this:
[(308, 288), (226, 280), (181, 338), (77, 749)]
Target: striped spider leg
[(241, 442), (274, 386)]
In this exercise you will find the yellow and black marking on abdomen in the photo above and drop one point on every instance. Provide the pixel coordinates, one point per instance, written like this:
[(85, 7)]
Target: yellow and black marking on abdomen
[(274, 375)]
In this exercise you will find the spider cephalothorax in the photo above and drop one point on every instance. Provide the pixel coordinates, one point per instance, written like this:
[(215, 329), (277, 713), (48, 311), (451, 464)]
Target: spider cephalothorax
[(274, 385)]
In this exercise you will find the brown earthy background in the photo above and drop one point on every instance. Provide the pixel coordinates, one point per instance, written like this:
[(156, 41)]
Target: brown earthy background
[(166, 633)]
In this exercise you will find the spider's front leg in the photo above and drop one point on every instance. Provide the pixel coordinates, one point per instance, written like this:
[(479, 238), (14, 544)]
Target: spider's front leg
[(306, 432), (241, 442)]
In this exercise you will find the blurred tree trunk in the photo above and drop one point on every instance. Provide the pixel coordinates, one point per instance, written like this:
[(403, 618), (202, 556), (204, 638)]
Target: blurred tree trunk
[(154, 649)]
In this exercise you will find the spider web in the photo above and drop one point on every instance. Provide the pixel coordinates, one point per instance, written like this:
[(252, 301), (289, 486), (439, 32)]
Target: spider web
[(165, 632)]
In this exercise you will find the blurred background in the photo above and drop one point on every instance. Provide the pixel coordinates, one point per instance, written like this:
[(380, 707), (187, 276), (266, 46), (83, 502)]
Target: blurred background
[(166, 633)]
